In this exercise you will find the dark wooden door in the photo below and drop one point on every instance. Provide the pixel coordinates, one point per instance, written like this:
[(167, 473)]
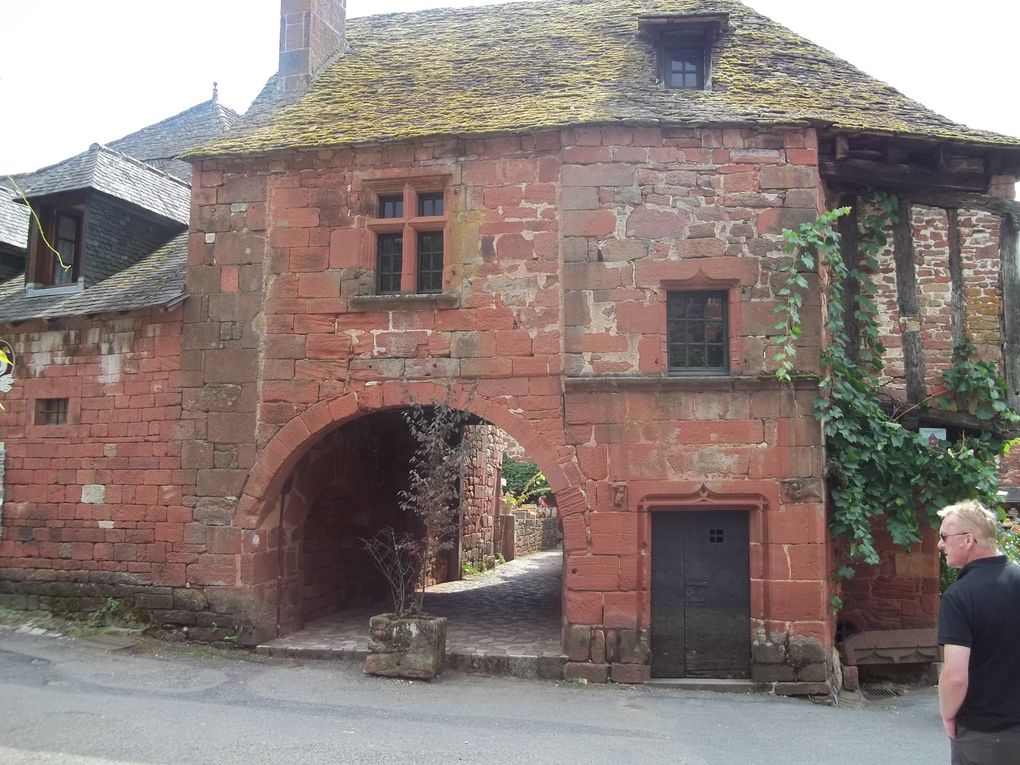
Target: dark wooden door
[(700, 594)]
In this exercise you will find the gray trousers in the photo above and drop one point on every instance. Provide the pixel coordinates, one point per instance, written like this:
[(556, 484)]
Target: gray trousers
[(974, 747)]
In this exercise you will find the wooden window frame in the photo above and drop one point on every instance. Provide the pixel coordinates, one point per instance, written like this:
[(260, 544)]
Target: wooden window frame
[(682, 371), (410, 225), (52, 411), (43, 268), (695, 51)]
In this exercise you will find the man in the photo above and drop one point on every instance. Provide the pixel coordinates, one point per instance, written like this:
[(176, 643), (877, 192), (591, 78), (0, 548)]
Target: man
[(979, 627)]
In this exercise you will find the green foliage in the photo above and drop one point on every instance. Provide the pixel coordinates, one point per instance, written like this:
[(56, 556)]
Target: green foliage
[(810, 240), (977, 387), (524, 481), (876, 467), (116, 613)]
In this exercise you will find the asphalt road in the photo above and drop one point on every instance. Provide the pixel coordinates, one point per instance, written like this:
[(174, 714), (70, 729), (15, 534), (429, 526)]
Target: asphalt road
[(67, 701)]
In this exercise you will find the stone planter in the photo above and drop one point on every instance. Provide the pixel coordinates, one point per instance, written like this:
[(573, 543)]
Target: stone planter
[(413, 647)]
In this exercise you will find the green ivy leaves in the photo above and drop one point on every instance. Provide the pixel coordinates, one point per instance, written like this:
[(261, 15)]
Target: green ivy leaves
[(876, 467)]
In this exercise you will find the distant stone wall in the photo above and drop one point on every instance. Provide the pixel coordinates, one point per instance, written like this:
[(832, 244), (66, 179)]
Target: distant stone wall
[(534, 535)]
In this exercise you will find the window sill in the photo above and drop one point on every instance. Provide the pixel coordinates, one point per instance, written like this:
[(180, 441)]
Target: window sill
[(407, 301), (64, 289), (685, 383)]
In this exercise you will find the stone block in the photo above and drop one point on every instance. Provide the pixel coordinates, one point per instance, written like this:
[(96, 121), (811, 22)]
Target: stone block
[(851, 679), (408, 647), (801, 689), (593, 673), (634, 646), (768, 653), (804, 650), (770, 673), (578, 642), (814, 673), (93, 494), (630, 673)]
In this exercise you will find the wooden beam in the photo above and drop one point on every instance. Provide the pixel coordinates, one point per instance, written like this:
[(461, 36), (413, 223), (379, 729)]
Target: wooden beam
[(906, 299), (849, 248), (929, 197), (872, 173), (842, 147), (957, 297), (1010, 270)]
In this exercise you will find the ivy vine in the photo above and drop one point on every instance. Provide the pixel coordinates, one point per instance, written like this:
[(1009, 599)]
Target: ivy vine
[(876, 467)]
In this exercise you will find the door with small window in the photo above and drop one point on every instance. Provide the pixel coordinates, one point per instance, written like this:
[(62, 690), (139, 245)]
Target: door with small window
[(700, 594)]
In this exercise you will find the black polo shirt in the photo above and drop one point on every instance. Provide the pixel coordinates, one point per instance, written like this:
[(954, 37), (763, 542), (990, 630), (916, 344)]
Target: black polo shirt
[(982, 611)]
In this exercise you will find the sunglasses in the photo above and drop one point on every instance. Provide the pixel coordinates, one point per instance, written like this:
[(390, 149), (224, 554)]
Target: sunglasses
[(944, 537)]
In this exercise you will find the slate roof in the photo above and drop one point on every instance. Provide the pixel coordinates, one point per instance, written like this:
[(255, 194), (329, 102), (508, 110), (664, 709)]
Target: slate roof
[(546, 64), (103, 169), (155, 281), (159, 144), (13, 218)]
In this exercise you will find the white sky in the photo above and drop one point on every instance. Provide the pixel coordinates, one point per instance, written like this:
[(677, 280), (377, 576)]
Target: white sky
[(75, 72)]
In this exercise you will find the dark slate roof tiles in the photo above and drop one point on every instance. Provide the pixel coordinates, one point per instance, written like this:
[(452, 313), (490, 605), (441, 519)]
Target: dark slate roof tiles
[(111, 172), (157, 280), (13, 218), (552, 63), (159, 144)]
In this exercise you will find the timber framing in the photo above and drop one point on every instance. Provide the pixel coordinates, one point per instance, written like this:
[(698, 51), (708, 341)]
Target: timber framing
[(903, 163)]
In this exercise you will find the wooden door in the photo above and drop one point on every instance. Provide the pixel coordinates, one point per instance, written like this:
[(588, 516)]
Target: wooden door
[(700, 594)]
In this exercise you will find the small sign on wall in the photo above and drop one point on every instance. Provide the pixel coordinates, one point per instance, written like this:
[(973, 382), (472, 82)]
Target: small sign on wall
[(934, 436)]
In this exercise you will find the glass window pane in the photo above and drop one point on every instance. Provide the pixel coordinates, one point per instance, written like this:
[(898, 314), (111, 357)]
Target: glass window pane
[(389, 248), (430, 261), (391, 207), (430, 204), (696, 332)]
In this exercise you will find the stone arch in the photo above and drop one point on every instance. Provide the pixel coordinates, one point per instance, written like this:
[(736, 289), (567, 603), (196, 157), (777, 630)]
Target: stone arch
[(283, 451)]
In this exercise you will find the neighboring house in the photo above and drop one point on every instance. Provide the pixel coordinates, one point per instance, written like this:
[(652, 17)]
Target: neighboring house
[(13, 232), (569, 214)]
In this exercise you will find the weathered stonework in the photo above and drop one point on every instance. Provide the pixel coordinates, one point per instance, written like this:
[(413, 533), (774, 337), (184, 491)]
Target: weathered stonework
[(246, 441)]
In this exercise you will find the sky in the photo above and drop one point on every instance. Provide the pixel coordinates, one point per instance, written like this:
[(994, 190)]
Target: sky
[(77, 72)]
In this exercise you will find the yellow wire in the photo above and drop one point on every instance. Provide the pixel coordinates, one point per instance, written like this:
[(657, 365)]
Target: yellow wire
[(38, 223)]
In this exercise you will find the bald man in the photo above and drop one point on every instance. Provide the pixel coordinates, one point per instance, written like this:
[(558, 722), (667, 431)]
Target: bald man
[(979, 628)]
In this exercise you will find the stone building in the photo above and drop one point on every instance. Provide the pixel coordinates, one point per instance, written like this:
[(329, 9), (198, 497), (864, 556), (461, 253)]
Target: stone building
[(567, 216)]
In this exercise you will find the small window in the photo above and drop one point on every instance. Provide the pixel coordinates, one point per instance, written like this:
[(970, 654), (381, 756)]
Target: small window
[(390, 260), (51, 411), (430, 261), (430, 205), (696, 332), (685, 68), (391, 207), (56, 248), (410, 239)]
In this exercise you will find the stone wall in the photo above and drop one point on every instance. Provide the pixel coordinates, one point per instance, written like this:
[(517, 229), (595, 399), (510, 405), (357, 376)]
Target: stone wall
[(480, 492), (533, 535), (99, 506), (561, 249)]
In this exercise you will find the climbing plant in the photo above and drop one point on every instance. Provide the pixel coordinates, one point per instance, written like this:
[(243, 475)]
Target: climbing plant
[(876, 466)]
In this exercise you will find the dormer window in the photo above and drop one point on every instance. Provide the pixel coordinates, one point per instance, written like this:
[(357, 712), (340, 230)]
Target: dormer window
[(685, 68), (683, 45), (55, 250)]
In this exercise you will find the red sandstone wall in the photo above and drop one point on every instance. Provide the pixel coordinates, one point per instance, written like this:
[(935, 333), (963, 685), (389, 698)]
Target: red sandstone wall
[(562, 247), (102, 500)]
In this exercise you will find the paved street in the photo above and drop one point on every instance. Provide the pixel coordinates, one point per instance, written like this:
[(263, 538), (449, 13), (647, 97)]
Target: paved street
[(512, 610), (73, 701)]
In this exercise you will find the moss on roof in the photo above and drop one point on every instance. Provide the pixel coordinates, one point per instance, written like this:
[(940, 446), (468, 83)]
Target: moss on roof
[(528, 66)]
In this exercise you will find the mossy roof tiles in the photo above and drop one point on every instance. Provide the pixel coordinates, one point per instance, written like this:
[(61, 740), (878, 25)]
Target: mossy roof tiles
[(527, 66)]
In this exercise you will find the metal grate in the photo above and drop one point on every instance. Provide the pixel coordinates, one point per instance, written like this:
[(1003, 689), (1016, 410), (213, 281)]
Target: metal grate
[(870, 692)]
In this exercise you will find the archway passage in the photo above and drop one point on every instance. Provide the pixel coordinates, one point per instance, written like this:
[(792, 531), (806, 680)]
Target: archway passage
[(347, 487)]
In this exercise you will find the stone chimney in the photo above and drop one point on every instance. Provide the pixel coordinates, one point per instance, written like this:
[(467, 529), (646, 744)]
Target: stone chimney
[(310, 32)]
